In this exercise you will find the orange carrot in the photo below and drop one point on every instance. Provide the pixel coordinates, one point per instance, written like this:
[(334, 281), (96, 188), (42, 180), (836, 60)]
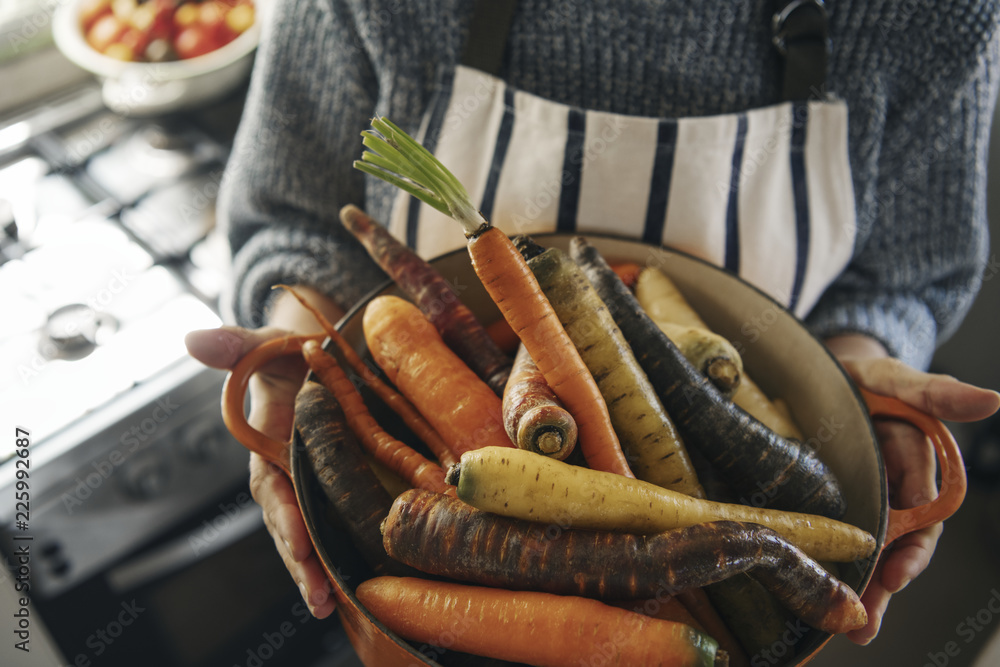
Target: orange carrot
[(664, 607), (514, 288), (697, 604), (457, 403), (530, 627), (534, 418), (393, 454), (392, 398), (627, 271)]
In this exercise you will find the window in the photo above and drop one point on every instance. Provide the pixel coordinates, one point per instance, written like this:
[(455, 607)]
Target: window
[(31, 68), (25, 26)]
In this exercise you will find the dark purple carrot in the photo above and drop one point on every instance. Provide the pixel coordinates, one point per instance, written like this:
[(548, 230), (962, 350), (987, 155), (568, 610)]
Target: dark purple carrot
[(355, 493), (438, 300), (444, 536), (750, 456)]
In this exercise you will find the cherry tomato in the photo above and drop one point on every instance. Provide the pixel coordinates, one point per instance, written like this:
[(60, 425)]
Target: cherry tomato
[(91, 10), (142, 17), (120, 51), (186, 30), (212, 17), (194, 41), (163, 19), (135, 40), (186, 15), (158, 51), (104, 32), (240, 18), (123, 9)]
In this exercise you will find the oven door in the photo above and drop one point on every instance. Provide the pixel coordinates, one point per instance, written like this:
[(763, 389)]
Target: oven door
[(143, 540), (211, 592)]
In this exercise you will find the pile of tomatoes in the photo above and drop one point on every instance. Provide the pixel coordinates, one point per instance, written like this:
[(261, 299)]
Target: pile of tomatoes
[(162, 30)]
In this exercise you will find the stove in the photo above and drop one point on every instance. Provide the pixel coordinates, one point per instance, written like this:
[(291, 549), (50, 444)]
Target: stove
[(100, 214), (109, 255)]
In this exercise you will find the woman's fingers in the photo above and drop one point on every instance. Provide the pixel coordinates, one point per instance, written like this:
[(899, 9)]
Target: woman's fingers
[(272, 390), (910, 471), (940, 396), (876, 600), (910, 463), (272, 394), (225, 346), (285, 524), (272, 387), (900, 564), (272, 490), (315, 587), (908, 557)]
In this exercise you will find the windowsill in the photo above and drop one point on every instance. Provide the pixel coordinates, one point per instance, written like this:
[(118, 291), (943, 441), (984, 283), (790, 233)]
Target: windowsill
[(35, 76)]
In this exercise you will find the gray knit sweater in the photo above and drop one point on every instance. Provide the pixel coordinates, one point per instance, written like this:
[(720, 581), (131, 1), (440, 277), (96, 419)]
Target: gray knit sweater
[(919, 79)]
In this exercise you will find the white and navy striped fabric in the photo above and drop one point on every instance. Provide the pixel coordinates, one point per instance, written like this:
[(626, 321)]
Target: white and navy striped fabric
[(766, 194)]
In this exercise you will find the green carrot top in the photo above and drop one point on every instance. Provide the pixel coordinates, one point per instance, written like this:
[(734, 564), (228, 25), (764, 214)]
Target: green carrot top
[(397, 158)]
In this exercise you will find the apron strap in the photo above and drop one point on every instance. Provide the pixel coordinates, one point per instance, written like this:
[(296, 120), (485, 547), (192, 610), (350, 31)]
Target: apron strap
[(799, 32), (487, 40)]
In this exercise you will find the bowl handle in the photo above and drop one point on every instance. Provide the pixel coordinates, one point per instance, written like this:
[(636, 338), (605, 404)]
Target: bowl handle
[(234, 396), (953, 482)]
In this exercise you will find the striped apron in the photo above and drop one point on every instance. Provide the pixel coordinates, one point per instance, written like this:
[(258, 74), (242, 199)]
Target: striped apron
[(766, 194)]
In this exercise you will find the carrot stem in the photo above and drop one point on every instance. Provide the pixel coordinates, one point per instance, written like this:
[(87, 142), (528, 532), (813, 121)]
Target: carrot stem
[(532, 414)]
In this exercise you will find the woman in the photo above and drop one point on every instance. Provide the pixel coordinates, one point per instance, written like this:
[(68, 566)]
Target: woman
[(842, 173)]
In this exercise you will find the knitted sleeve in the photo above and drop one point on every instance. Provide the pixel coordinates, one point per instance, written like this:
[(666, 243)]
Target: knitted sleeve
[(922, 237), (311, 90)]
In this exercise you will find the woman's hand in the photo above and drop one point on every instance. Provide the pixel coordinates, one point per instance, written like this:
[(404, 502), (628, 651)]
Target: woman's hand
[(272, 392), (909, 457)]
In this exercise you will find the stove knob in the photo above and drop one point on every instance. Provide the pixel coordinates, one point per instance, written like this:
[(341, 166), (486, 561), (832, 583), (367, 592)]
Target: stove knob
[(74, 331), (201, 442), (55, 561), (146, 478)]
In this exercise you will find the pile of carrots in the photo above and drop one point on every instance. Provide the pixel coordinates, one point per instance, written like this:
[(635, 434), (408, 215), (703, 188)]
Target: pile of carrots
[(453, 410), (488, 414)]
